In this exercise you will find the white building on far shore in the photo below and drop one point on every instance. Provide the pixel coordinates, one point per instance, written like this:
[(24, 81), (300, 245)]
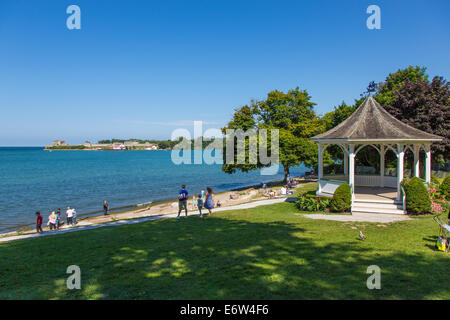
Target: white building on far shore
[(118, 146)]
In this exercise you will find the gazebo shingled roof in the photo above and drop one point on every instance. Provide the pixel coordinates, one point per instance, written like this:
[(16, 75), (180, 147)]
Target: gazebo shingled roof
[(370, 122)]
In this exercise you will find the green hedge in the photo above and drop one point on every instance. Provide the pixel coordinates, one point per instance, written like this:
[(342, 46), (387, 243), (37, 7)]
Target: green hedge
[(435, 180), (417, 197), (444, 188), (342, 199)]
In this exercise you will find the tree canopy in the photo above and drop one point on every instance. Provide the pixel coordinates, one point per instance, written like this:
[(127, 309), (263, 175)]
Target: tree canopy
[(407, 94), (411, 97), (425, 105), (292, 113)]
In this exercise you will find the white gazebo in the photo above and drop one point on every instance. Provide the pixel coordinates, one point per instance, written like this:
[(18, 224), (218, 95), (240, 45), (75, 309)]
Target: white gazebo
[(371, 125)]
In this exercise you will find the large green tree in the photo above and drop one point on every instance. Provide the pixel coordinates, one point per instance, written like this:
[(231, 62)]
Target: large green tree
[(292, 114), (411, 97)]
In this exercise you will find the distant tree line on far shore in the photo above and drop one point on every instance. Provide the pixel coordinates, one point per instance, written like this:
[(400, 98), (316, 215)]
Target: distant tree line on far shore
[(162, 144)]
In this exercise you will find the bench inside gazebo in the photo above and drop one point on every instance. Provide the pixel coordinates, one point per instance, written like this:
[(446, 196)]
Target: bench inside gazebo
[(371, 126)]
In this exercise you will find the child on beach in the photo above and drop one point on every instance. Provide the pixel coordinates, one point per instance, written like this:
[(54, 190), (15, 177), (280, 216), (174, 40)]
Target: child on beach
[(52, 221), (74, 216), (209, 202), (194, 201), (200, 205), (38, 222), (105, 208), (58, 218)]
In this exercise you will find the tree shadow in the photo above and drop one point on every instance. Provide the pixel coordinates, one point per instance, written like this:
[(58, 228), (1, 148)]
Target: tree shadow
[(218, 258)]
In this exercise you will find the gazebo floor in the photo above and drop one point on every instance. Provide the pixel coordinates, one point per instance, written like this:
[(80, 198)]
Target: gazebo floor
[(375, 193)]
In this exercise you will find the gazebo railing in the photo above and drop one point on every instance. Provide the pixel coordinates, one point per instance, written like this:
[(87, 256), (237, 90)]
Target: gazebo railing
[(368, 180)]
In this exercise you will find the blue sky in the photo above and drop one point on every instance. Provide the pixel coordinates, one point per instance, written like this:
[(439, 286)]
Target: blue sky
[(144, 68)]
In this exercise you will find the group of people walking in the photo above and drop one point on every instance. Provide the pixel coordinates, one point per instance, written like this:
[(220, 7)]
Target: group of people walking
[(203, 200), (55, 220)]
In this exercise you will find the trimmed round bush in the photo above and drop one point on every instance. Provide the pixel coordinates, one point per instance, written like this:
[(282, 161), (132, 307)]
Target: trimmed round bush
[(444, 188), (342, 199), (434, 180), (417, 197)]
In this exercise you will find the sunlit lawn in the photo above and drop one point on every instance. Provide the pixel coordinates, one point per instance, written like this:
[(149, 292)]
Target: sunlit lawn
[(270, 252)]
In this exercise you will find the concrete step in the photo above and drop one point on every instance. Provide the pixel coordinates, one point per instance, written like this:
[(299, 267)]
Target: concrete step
[(376, 210), (390, 201), (389, 206)]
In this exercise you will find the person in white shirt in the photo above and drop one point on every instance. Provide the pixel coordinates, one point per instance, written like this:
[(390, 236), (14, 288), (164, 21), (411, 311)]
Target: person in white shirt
[(283, 191), (52, 221), (69, 215)]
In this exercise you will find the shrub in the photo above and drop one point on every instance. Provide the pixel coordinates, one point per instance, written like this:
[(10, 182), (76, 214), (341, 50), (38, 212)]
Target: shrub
[(444, 188), (306, 203), (342, 199), (417, 198), (434, 180)]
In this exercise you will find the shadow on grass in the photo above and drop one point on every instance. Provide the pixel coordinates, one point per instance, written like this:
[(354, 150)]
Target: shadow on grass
[(214, 258)]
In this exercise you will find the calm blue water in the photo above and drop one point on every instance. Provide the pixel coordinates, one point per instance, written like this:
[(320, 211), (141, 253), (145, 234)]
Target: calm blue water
[(33, 179)]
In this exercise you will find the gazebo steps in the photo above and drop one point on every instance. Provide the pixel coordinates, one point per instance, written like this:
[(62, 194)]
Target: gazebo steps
[(390, 206), (377, 207), (377, 210), (386, 201)]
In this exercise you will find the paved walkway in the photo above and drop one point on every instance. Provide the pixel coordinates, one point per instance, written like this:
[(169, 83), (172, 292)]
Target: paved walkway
[(86, 225), (360, 217)]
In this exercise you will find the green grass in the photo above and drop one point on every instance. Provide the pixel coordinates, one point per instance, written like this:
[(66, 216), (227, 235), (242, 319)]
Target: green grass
[(269, 252), (305, 188)]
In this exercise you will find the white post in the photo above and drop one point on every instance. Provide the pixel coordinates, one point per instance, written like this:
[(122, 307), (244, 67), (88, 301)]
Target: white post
[(382, 154), (400, 158), (428, 164), (351, 166), (320, 166), (345, 164), (416, 161)]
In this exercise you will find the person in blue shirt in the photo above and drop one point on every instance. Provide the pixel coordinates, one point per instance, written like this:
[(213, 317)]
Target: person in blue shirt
[(200, 204), (182, 200)]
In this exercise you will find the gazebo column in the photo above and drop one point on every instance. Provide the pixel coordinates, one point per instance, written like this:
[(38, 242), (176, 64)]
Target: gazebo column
[(400, 159), (351, 166), (428, 164), (416, 161), (382, 154), (320, 165), (345, 164)]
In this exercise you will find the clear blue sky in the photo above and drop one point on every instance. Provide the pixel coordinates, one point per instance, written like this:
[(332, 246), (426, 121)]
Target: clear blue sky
[(143, 68)]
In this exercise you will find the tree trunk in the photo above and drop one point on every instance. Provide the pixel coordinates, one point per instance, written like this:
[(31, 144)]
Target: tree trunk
[(286, 173)]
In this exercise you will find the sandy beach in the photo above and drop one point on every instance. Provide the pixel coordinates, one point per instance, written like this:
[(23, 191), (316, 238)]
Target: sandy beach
[(229, 200)]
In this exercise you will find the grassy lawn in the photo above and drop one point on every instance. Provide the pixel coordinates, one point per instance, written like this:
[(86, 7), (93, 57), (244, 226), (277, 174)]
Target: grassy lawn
[(270, 252)]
